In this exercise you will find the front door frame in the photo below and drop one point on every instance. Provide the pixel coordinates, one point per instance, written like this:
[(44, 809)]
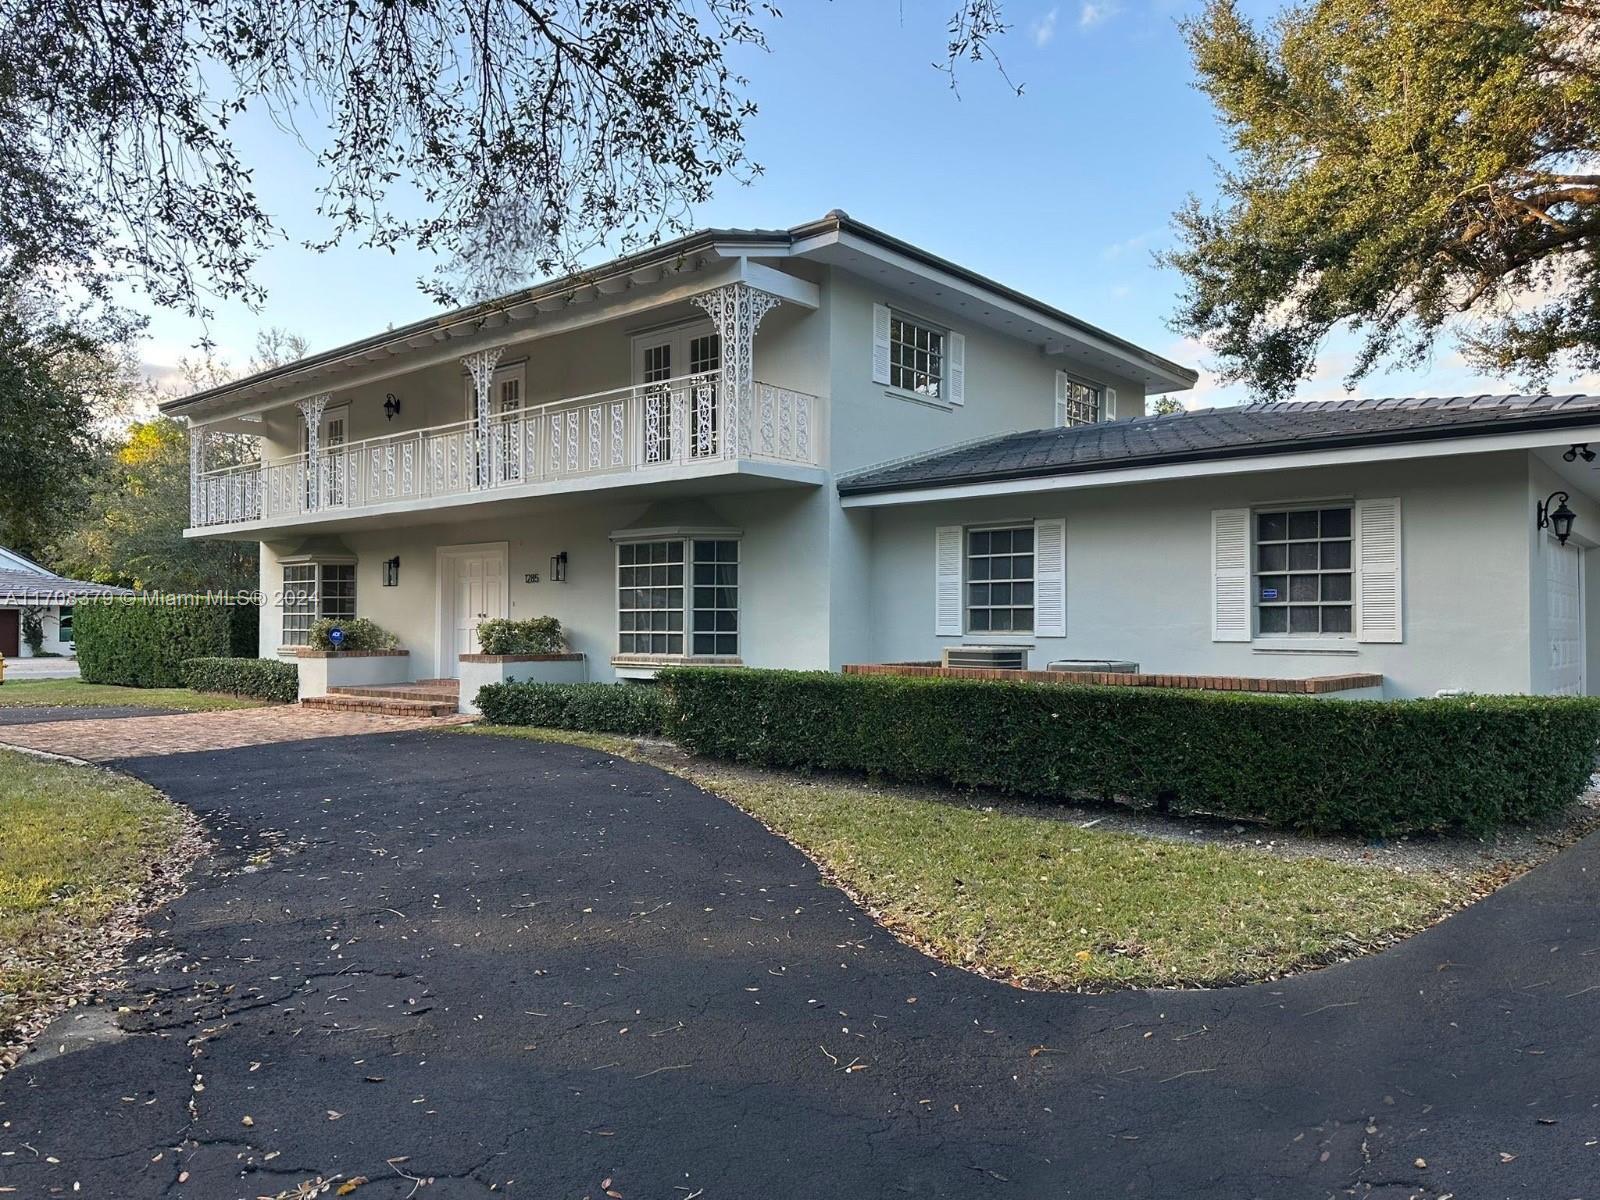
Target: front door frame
[(446, 665)]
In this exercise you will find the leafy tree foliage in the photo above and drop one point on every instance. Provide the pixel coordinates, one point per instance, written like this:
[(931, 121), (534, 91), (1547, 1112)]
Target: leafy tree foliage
[(516, 134), (1404, 168)]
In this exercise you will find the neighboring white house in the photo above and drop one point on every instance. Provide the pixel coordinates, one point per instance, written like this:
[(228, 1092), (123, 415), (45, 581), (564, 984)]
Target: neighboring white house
[(25, 586), (811, 447)]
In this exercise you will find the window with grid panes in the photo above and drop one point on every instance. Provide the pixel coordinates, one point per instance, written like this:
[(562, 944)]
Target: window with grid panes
[(1081, 404), (716, 596), (650, 597), (705, 356), (1000, 580), (1304, 571), (316, 591), (916, 356)]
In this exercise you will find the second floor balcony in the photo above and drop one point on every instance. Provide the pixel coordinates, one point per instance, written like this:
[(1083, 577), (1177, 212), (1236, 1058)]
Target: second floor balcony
[(664, 430)]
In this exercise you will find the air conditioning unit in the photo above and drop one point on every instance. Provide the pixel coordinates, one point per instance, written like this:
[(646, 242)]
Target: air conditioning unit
[(990, 658)]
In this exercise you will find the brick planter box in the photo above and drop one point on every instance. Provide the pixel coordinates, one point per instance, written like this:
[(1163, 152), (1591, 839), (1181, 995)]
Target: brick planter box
[(324, 669), (480, 669), (1354, 686)]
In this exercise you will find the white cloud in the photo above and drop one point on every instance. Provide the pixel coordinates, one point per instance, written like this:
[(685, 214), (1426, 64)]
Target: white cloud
[(1097, 12), (1043, 30)]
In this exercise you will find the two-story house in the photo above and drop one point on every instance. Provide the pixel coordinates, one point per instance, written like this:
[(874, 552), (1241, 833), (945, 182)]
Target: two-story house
[(817, 446)]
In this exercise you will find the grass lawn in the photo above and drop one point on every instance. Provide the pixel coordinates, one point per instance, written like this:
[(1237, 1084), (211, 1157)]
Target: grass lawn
[(62, 693), (1046, 903), (78, 846)]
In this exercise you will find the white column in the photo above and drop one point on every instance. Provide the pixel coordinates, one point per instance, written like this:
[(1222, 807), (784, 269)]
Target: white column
[(311, 410), (197, 467), (480, 364), (736, 310)]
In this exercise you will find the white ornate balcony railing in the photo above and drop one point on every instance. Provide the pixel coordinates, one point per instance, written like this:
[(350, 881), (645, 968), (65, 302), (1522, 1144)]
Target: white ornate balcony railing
[(642, 428)]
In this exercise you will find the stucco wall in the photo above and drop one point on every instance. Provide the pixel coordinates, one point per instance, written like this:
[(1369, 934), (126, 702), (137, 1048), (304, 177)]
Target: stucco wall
[(1139, 574)]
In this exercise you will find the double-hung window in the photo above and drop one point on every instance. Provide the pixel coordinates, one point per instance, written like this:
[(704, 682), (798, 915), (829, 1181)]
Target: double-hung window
[(1078, 402), (659, 614), (916, 356), (1303, 571), (314, 591), (1000, 579)]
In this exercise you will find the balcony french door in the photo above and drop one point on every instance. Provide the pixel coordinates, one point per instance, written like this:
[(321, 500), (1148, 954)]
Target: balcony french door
[(329, 468), (669, 415)]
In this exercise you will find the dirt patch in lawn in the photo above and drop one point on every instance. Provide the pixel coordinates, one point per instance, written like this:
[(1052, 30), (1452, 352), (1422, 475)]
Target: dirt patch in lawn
[(84, 855)]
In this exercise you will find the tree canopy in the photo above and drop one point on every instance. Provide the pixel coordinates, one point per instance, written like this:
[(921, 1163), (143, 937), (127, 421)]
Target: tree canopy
[(1407, 169)]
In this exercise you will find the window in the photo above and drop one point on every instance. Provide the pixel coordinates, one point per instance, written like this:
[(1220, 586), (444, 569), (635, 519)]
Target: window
[(650, 597), (1077, 403), (716, 597), (316, 591), (916, 356), (651, 608), (1303, 571), (1000, 580), (64, 624)]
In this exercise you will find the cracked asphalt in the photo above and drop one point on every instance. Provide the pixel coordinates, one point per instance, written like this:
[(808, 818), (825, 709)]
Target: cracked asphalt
[(461, 966)]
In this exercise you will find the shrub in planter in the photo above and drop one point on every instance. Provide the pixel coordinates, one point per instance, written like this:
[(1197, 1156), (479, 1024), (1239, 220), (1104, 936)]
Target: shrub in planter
[(134, 643), (536, 635), (359, 634), (1374, 768), (592, 707), (258, 678)]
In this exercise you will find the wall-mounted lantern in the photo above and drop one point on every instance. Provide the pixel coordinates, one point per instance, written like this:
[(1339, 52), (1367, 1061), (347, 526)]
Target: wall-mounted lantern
[(391, 406), (1578, 450), (391, 571), (558, 567), (1559, 519)]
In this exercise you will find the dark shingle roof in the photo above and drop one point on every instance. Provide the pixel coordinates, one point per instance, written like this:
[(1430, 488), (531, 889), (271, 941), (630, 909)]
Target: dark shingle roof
[(1284, 427), (21, 586)]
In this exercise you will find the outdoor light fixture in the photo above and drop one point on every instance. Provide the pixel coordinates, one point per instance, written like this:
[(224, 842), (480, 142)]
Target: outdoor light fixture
[(558, 567), (391, 406), (1559, 519), (391, 572), (1577, 450)]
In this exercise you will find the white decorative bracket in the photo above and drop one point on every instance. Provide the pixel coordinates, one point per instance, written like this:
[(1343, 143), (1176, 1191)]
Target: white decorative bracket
[(481, 364), (736, 310), (311, 410)]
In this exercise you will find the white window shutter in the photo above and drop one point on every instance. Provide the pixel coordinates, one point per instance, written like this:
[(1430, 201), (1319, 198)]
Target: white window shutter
[(947, 581), (1063, 392), (1377, 551), (955, 367), (1050, 578), (1230, 575), (1110, 405), (880, 343)]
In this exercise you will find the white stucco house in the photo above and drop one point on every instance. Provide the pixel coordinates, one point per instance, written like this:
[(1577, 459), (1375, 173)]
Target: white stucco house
[(25, 586), (822, 446)]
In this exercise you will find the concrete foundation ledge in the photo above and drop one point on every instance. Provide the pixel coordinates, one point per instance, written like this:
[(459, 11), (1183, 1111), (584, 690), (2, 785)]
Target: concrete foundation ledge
[(480, 669)]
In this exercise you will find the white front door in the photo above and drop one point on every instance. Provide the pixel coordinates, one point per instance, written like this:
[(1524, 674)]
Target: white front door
[(1564, 623), (472, 590)]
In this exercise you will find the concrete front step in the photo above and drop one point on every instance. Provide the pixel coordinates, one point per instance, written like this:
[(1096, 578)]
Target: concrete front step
[(388, 706)]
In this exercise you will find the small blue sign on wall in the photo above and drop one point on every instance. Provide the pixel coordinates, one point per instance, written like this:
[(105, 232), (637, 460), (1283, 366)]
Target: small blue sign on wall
[(1266, 594), (336, 636)]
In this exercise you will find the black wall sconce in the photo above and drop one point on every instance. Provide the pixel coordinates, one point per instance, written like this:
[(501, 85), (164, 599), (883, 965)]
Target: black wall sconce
[(1559, 519), (558, 567), (391, 572), (391, 406), (1578, 450)]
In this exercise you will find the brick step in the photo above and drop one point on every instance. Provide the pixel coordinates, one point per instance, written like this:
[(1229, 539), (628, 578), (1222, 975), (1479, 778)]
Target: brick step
[(398, 691), (381, 705)]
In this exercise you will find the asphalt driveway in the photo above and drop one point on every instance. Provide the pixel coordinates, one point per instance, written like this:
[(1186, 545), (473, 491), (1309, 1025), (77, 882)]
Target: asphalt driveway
[(511, 968)]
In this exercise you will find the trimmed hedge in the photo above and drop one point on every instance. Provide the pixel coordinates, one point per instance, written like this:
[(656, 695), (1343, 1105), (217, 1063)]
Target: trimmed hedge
[(359, 634), (258, 678), (144, 644), (536, 635), (592, 707), (1375, 768)]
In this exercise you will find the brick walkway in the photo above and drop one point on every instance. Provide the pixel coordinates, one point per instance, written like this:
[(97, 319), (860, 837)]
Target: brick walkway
[(100, 740)]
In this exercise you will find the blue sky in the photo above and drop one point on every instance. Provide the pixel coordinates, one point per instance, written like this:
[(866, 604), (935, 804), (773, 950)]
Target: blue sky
[(1063, 192)]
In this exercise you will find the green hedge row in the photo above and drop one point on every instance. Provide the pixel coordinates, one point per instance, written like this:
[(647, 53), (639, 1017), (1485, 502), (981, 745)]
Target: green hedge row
[(591, 707), (535, 635), (1375, 768), (139, 644), (258, 678)]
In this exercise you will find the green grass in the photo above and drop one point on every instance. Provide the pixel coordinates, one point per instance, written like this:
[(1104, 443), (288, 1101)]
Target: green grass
[(1046, 903), (76, 843), (65, 693)]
